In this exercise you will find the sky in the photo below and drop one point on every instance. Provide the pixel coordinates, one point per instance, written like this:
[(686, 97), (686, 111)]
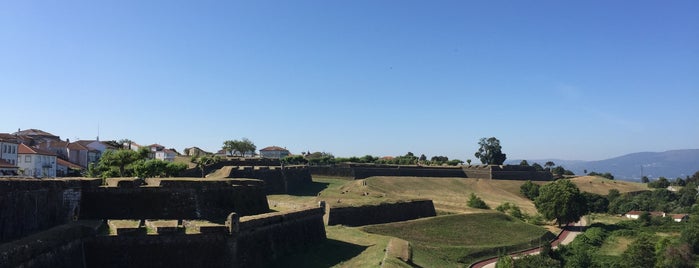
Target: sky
[(585, 80)]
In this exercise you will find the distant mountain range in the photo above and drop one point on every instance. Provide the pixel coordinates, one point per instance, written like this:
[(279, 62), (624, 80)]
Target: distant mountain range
[(669, 164)]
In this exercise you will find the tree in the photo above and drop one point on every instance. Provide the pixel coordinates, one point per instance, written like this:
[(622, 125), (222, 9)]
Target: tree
[(530, 190), (561, 200), (490, 151), (468, 161), (644, 179), (549, 165), (423, 158), (234, 147), (524, 163), (640, 253), (125, 144), (476, 202), (205, 161), (537, 167), (119, 159)]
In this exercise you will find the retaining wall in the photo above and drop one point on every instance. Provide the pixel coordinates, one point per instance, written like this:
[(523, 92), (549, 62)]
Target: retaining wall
[(506, 172), (380, 213), (277, 180)]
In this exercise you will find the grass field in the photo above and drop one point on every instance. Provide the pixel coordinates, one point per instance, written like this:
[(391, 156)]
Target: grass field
[(599, 185), (460, 236), (454, 240)]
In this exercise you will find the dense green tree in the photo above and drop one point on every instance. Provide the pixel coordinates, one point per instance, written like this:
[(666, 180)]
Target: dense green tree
[(675, 256), (476, 202), (524, 163), (490, 151), (596, 203), (298, 160), (125, 144), (561, 200), (690, 233), (645, 179), (549, 165), (640, 253), (119, 159), (239, 147), (422, 158), (530, 190), (661, 182)]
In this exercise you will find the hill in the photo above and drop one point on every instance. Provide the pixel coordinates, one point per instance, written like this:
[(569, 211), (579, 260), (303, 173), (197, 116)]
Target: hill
[(669, 164)]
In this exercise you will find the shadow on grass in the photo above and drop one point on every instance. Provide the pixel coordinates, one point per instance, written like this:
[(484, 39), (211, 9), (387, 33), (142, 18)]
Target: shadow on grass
[(311, 189), (326, 254)]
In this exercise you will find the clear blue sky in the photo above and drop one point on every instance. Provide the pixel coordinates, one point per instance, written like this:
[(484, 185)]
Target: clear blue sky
[(550, 79)]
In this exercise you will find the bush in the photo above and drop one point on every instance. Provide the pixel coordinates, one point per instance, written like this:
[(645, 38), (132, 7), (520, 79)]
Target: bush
[(476, 202)]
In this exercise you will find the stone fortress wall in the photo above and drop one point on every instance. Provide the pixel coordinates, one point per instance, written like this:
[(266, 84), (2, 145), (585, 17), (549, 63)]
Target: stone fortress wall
[(379, 213), (59, 223), (494, 172)]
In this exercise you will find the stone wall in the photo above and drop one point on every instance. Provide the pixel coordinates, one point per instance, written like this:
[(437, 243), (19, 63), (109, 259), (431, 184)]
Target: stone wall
[(277, 180), (203, 250), (173, 200), (56, 247), (31, 205), (380, 213), (264, 238), (362, 171)]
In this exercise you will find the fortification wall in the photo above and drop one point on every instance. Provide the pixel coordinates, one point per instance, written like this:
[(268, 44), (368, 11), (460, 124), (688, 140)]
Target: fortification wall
[(264, 238), (204, 250), (361, 172), (56, 247), (381, 213), (32, 205), (336, 171), (276, 179), (173, 200)]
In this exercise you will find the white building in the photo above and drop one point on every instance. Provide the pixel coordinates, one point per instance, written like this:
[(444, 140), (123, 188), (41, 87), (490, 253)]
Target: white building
[(8, 154), (36, 162)]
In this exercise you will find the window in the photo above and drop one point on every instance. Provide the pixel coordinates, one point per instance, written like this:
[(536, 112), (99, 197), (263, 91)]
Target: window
[(27, 159)]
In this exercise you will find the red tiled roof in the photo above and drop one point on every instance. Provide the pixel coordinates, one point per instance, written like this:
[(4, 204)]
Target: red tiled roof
[(5, 164), (53, 144), (24, 149), (77, 146), (67, 164), (274, 148), (679, 216), (9, 138)]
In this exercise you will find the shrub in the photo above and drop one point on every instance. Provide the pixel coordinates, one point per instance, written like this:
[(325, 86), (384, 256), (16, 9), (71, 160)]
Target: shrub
[(476, 202)]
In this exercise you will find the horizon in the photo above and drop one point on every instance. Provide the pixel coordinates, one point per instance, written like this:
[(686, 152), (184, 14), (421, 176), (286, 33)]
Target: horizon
[(550, 80)]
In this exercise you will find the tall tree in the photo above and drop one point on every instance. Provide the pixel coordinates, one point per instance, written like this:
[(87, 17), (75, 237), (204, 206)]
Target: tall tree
[(549, 165), (490, 151), (524, 163), (561, 200)]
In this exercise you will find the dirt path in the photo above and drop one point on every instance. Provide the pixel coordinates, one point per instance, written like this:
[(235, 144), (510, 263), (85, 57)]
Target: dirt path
[(565, 237)]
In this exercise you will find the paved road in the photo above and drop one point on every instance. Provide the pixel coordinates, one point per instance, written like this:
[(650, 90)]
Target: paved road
[(565, 237)]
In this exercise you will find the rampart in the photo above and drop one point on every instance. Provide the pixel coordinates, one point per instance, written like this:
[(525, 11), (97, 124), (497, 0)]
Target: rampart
[(277, 180), (264, 238), (380, 213), (32, 205), (252, 241), (505, 172)]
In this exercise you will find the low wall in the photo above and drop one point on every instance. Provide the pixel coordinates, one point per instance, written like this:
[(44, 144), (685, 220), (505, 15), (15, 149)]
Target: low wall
[(381, 213), (264, 238)]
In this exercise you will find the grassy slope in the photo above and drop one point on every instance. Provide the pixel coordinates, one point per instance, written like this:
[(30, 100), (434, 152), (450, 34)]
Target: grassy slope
[(599, 185), (448, 194), (459, 238)]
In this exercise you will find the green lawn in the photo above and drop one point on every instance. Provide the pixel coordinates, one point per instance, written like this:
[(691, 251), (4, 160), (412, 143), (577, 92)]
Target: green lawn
[(454, 240)]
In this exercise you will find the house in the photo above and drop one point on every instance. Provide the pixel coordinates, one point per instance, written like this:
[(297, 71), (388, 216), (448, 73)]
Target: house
[(635, 214), (165, 155), (33, 136), (36, 162), (680, 217), (274, 152), (65, 168), (8, 149)]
